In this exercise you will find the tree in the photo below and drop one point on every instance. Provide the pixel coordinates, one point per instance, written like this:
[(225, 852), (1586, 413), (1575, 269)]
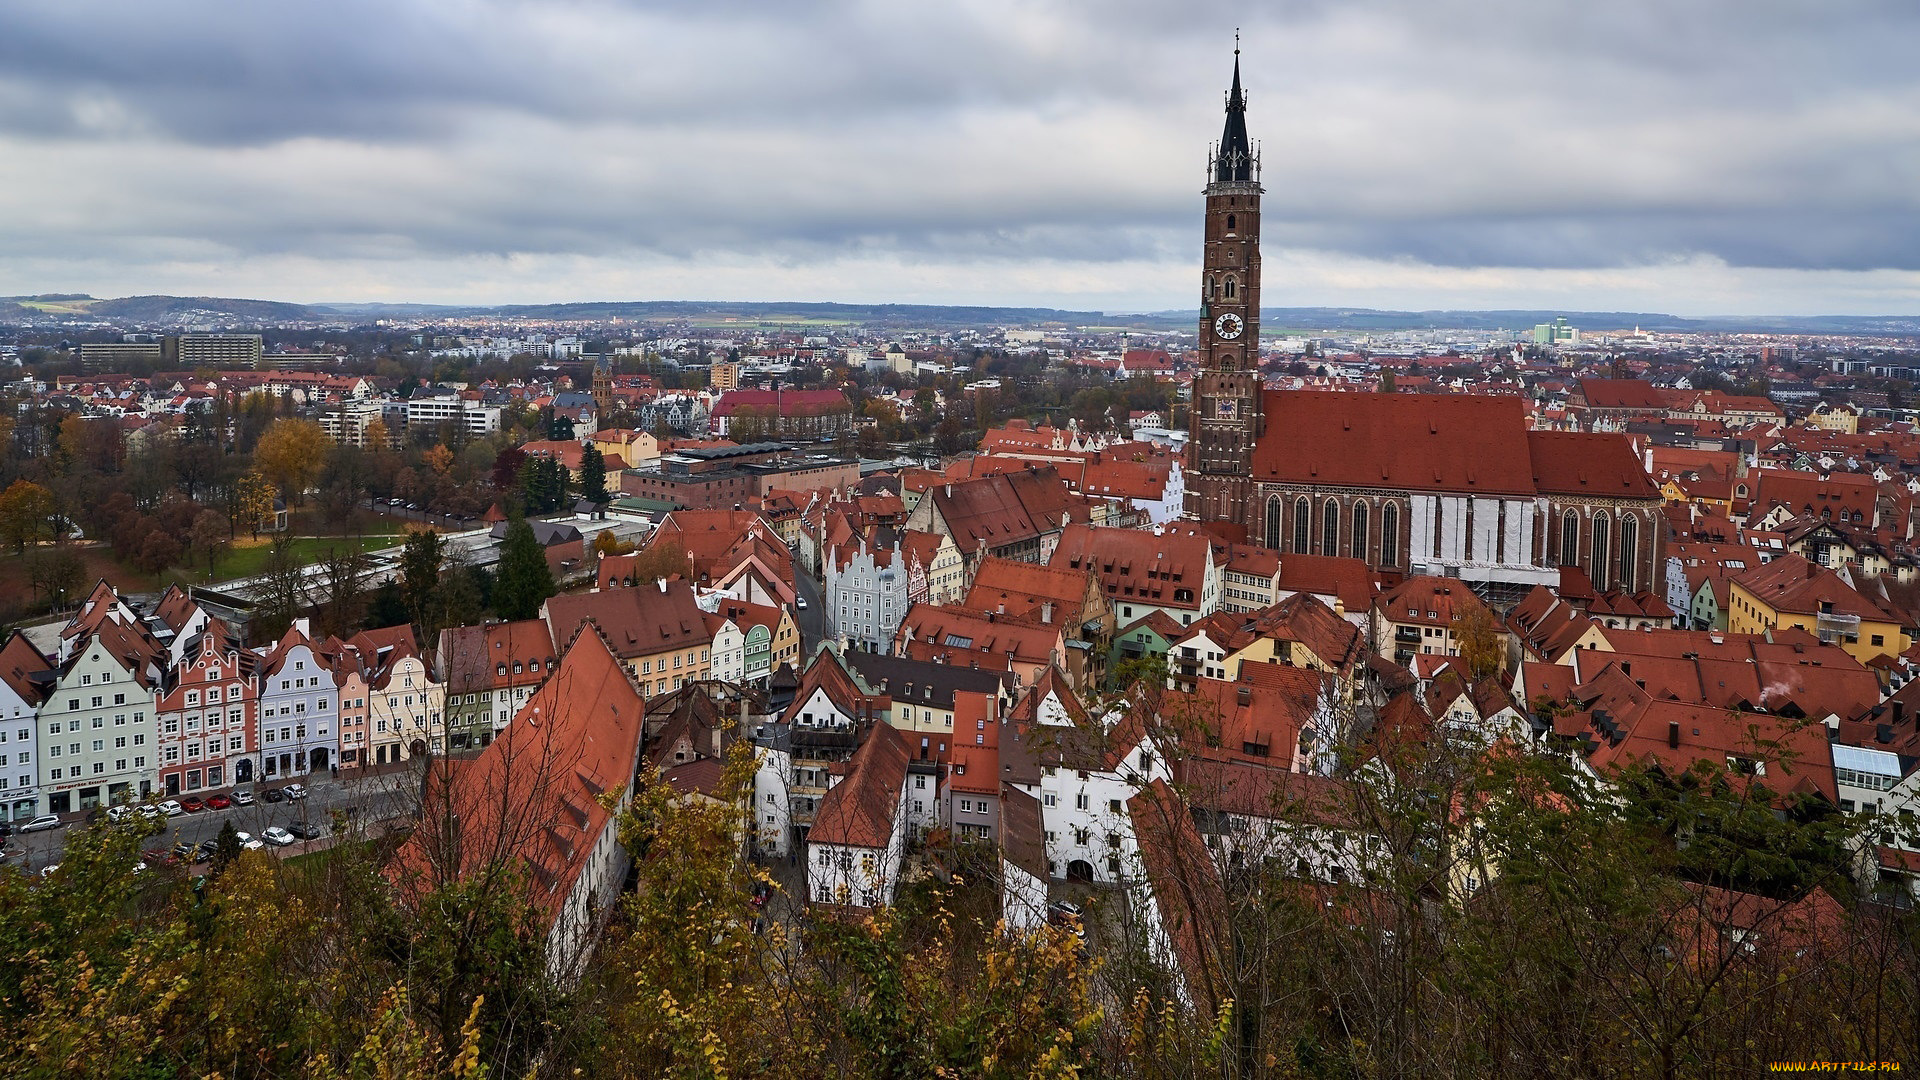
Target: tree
[(420, 562), (606, 543), (211, 535), (543, 482), (291, 454), (342, 591), (438, 458), (524, 580), (281, 595), (593, 476), (226, 846), (26, 514), (159, 550), (1479, 640), (253, 500), (55, 573)]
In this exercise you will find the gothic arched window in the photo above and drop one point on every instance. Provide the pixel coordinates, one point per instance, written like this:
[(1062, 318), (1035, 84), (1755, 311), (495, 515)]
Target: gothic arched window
[(1227, 290), (1330, 528), (1390, 535), (1629, 550), (1602, 550), (1210, 286), (1229, 222), (1570, 539), (1300, 533), (1360, 530), (1273, 522)]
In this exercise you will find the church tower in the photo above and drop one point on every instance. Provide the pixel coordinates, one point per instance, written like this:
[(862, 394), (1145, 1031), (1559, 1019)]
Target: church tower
[(1225, 418)]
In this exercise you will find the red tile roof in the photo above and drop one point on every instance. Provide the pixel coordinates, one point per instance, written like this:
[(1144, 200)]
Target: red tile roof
[(1421, 442), (859, 811)]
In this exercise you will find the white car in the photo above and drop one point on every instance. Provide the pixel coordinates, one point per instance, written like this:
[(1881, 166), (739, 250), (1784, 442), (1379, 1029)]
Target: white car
[(242, 797), (44, 821), (250, 842), (277, 836), (800, 602), (296, 791), (171, 808)]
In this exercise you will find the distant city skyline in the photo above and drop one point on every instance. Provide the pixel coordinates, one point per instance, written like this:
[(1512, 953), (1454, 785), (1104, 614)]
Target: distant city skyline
[(1725, 159)]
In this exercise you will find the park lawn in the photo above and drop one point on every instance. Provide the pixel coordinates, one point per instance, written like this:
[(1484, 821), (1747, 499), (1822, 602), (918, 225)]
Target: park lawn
[(248, 558)]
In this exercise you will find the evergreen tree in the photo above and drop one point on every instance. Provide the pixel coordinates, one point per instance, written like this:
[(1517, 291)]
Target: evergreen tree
[(593, 477), (543, 482), (420, 578), (524, 579)]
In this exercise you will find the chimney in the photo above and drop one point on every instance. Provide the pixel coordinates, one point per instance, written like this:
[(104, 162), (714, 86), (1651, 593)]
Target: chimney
[(662, 582), (1245, 695), (1046, 612), (1673, 734)]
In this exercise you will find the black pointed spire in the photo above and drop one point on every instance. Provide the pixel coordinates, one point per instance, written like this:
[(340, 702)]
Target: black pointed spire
[(1235, 160)]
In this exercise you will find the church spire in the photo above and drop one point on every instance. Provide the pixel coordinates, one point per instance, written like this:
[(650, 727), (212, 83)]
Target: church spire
[(1235, 159)]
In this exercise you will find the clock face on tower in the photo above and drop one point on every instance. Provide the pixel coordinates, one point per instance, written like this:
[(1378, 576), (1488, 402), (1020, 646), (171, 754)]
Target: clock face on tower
[(1228, 326)]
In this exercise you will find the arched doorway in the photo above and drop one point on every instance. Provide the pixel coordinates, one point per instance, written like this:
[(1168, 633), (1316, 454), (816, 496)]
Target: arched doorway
[(318, 759), (243, 771), (417, 748), (1081, 871)]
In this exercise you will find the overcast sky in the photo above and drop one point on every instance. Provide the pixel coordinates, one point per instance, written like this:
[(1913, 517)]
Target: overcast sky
[(1700, 157)]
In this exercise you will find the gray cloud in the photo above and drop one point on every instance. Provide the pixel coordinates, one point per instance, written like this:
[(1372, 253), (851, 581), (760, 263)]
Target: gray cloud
[(389, 138)]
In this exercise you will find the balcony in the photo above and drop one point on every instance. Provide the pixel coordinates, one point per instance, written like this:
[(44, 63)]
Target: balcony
[(1407, 635)]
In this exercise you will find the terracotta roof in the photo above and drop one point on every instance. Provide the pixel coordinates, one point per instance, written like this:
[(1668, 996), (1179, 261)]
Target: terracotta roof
[(495, 655), (1137, 566), (639, 621), (533, 795), (1793, 584), (859, 811), (1622, 394), (1426, 600), (1021, 588), (1421, 442), (1330, 577), (1546, 625), (1187, 890), (1022, 834), (1582, 463), (20, 662)]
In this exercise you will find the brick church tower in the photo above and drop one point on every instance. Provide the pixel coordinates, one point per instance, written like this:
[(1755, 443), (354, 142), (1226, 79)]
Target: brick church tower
[(1225, 418)]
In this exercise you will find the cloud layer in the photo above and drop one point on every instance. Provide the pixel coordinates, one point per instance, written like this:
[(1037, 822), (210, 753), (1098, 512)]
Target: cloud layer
[(1716, 157)]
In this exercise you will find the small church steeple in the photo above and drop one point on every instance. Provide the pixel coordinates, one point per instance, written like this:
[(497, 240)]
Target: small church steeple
[(1234, 162)]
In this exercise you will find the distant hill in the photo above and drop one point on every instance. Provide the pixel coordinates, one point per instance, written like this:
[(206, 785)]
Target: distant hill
[(903, 315), (171, 309), (158, 311)]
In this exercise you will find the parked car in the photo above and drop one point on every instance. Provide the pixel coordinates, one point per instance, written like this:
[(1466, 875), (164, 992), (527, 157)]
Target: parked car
[(218, 802), (1067, 916), (304, 830), (242, 797), (171, 808), (800, 602), (118, 813), (277, 836), (192, 804), (183, 851), (47, 870), (6, 830), (206, 850), (296, 791), (274, 794), (250, 842), (44, 821)]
